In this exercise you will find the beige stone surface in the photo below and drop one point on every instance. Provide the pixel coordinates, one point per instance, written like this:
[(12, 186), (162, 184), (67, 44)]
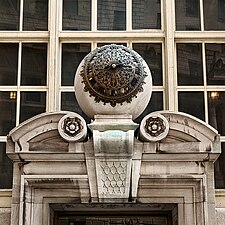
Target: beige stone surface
[(220, 216), (5, 215)]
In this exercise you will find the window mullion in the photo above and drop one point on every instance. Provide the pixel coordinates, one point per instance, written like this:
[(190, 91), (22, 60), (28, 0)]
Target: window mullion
[(202, 15), (52, 75), (169, 55), (205, 82), (21, 16), (18, 83), (129, 15), (94, 8)]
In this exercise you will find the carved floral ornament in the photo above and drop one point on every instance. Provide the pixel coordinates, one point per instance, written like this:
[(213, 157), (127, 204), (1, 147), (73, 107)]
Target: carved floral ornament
[(113, 74), (72, 127), (154, 127)]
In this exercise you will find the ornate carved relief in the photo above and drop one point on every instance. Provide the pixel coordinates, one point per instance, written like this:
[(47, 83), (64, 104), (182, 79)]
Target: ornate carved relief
[(72, 127), (113, 177), (154, 127), (113, 74)]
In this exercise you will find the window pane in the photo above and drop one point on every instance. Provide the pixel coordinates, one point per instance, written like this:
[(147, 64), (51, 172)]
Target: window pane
[(76, 15), (35, 15), (216, 107), (155, 104), (7, 112), (214, 14), (32, 103), (103, 44), (192, 103), (34, 64), (189, 64), (220, 169), (146, 14), (6, 168), (215, 63), (152, 54), (8, 64), (187, 15), (72, 55), (111, 14), (9, 14), (69, 103)]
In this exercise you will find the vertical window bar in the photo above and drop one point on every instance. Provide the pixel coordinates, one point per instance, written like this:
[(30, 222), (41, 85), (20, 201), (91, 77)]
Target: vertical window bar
[(94, 7), (175, 77), (21, 16), (53, 58), (169, 49), (58, 87), (163, 74), (205, 82), (18, 83), (202, 15), (93, 45), (162, 16), (129, 15), (59, 13)]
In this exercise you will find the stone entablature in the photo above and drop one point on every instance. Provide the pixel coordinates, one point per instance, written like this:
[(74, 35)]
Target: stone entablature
[(48, 169)]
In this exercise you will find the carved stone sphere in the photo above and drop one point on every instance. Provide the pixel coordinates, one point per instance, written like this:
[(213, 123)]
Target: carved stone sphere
[(113, 80)]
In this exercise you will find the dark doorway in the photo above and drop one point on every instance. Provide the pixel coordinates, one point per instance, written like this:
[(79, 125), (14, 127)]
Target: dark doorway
[(101, 215)]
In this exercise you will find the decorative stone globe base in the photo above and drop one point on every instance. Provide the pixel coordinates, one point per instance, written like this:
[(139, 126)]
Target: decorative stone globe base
[(113, 161)]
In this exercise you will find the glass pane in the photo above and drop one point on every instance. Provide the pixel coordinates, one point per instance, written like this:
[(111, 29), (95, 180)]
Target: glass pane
[(7, 112), (35, 15), (146, 14), (6, 168), (32, 103), (8, 64), (9, 14), (192, 103), (215, 63), (152, 54), (111, 14), (189, 64), (72, 55), (69, 103), (214, 14), (219, 171), (34, 64), (188, 15), (155, 104), (216, 107), (76, 15), (102, 44)]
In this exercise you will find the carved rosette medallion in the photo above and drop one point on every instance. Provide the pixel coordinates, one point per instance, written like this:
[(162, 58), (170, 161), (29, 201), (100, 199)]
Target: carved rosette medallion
[(72, 127), (154, 127), (113, 74)]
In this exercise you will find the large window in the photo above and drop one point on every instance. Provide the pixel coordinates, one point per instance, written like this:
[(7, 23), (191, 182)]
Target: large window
[(42, 43)]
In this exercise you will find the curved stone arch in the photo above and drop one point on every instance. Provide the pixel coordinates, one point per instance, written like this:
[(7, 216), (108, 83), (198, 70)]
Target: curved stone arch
[(42, 128), (183, 128), (188, 127)]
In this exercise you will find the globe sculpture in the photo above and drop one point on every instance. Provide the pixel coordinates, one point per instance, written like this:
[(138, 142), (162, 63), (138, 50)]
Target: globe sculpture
[(113, 80)]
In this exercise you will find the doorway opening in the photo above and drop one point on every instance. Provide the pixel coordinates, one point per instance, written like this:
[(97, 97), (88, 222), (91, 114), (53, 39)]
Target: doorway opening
[(119, 214)]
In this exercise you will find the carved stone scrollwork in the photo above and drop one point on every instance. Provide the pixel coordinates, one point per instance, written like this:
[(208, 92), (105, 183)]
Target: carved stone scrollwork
[(72, 127), (154, 127), (113, 74)]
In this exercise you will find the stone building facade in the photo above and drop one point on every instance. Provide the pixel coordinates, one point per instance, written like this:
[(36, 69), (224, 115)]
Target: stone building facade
[(41, 46)]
